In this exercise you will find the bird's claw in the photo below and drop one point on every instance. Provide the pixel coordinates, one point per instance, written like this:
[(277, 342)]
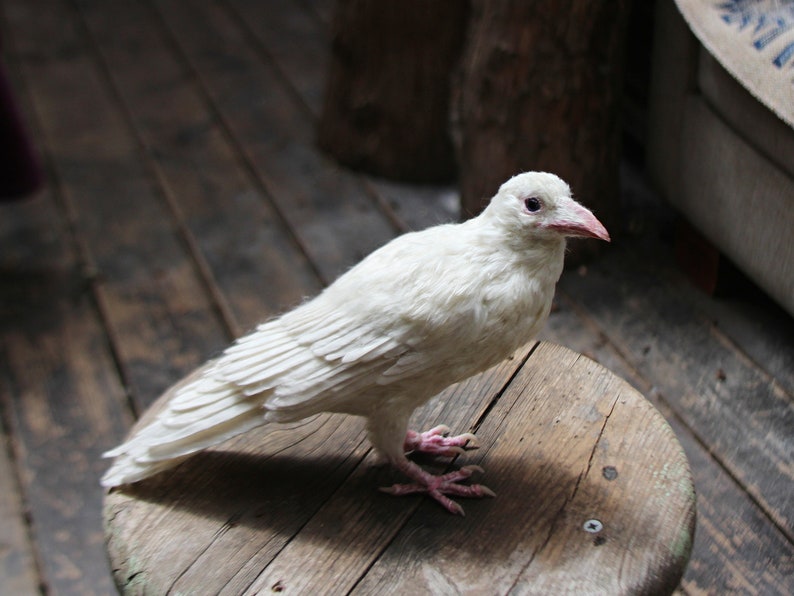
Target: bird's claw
[(438, 487), (437, 442)]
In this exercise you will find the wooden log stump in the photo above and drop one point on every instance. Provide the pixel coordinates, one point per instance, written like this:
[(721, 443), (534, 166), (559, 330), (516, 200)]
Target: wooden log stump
[(539, 90), (386, 103), (594, 493)]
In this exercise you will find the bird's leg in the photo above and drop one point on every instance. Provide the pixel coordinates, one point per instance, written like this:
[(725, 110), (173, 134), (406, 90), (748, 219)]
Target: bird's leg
[(438, 487), (436, 442)]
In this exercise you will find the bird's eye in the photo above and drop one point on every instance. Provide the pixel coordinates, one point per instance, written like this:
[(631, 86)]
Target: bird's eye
[(533, 204)]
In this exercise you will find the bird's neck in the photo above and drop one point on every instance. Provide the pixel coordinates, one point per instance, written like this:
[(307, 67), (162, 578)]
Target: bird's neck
[(534, 252)]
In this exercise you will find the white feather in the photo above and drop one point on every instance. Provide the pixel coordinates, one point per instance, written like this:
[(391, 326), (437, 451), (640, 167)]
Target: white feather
[(427, 310)]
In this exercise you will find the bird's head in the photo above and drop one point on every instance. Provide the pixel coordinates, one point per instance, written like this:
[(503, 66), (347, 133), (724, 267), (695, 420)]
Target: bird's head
[(538, 205)]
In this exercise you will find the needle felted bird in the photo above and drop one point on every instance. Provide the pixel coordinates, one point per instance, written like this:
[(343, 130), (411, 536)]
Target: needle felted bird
[(426, 310)]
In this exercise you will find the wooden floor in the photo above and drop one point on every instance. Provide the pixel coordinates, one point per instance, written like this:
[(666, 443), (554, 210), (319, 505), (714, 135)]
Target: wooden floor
[(186, 202)]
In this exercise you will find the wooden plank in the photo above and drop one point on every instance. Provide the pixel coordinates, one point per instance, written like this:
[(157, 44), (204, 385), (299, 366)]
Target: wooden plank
[(737, 549), (297, 43), (17, 563), (259, 269), (61, 397), (149, 292), (417, 207), (327, 209), (18, 574), (747, 318), (65, 410), (18, 243), (735, 543), (149, 289), (567, 327), (651, 515), (743, 417), (63, 404)]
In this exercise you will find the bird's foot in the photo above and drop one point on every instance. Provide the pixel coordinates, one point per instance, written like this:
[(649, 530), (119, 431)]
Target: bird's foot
[(437, 442), (438, 487)]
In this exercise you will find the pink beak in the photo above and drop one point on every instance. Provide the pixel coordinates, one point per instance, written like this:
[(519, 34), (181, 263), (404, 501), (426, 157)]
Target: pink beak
[(575, 220)]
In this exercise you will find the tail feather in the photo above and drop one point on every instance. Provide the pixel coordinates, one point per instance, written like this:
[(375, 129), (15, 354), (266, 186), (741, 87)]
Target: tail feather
[(199, 412), (202, 438), (315, 358), (142, 456)]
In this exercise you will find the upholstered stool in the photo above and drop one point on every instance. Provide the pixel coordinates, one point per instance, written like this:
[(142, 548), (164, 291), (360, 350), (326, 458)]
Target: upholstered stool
[(721, 130)]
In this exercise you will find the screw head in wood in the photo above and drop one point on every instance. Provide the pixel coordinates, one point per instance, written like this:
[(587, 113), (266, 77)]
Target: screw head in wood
[(593, 526)]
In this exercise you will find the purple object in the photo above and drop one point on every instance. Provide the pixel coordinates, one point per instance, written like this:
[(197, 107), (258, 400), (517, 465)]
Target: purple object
[(20, 167)]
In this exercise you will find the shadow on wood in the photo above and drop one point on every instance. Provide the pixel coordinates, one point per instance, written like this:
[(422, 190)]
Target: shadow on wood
[(594, 492)]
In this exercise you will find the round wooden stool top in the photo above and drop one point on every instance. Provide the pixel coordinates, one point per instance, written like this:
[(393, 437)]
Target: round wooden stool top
[(594, 495)]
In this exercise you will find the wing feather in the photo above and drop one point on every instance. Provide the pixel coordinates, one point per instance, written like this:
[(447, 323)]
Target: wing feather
[(382, 346), (327, 348), (339, 341), (176, 433), (175, 419), (204, 437), (311, 359), (260, 370), (408, 365), (326, 325)]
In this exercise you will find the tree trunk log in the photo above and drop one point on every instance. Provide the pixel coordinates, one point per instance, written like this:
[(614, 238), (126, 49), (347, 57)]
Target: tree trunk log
[(539, 90), (386, 107)]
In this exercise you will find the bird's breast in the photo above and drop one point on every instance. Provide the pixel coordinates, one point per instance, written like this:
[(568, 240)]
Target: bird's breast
[(492, 326)]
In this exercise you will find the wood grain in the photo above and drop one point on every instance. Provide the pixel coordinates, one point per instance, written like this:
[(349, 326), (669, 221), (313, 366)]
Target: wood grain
[(725, 546), (386, 101), (68, 399), (366, 525), (565, 442), (306, 187), (61, 399), (259, 270), (541, 92), (28, 244), (62, 405), (295, 41), (549, 440), (147, 286), (729, 409), (17, 563)]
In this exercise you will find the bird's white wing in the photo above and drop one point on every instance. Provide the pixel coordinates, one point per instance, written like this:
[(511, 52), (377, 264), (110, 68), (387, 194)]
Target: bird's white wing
[(329, 354), (307, 361), (311, 358)]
